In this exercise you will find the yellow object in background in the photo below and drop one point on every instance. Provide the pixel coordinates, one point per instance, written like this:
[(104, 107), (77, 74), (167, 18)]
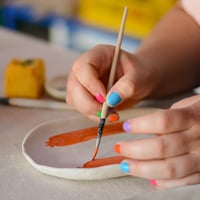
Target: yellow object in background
[(106, 14), (25, 78)]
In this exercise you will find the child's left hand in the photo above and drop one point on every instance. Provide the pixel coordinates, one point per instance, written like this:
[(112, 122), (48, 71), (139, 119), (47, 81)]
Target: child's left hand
[(172, 157)]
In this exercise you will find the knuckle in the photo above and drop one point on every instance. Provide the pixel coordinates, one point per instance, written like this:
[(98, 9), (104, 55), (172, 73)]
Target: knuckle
[(164, 120), (182, 142), (170, 171), (76, 67), (128, 87), (161, 147), (68, 99), (142, 169), (175, 105), (71, 82)]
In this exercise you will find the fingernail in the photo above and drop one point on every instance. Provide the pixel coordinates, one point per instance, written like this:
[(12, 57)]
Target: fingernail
[(113, 99), (111, 110), (127, 126), (113, 117), (99, 98), (98, 114), (124, 167), (117, 148), (153, 182)]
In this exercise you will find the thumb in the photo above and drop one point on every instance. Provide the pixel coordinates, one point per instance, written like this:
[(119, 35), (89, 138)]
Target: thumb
[(122, 90)]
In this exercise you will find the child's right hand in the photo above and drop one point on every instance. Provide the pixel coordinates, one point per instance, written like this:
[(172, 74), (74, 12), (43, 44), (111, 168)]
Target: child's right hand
[(87, 81)]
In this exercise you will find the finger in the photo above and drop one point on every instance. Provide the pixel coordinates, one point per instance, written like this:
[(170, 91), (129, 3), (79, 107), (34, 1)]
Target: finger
[(113, 116), (134, 82), (92, 67), (158, 147), (88, 77), (186, 102), (123, 89), (93, 118), (127, 105), (159, 122), (171, 168), (80, 97), (188, 180)]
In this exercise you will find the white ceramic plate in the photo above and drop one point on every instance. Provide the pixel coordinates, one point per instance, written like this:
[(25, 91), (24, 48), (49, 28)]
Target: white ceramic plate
[(64, 162), (56, 87)]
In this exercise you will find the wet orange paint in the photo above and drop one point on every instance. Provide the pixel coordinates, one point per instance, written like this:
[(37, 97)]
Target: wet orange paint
[(95, 153), (103, 161), (82, 135)]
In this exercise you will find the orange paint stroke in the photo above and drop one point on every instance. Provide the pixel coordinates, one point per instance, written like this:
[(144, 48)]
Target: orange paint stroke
[(83, 135), (103, 161)]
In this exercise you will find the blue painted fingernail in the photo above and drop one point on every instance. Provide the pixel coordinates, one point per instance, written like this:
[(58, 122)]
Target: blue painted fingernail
[(127, 126), (124, 167), (113, 99)]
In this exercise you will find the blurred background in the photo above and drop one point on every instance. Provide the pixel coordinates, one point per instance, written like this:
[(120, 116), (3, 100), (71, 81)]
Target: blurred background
[(81, 24)]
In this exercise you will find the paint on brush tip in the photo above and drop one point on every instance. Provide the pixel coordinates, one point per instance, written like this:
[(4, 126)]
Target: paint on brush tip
[(95, 153)]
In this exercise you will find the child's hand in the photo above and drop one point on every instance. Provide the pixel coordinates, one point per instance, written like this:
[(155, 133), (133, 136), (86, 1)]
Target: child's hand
[(172, 157), (86, 87)]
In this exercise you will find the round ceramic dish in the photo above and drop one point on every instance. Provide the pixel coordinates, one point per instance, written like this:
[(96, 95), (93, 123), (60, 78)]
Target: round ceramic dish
[(67, 161), (56, 87)]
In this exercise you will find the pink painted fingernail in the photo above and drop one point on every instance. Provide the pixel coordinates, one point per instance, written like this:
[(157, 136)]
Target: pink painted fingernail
[(99, 98), (153, 182)]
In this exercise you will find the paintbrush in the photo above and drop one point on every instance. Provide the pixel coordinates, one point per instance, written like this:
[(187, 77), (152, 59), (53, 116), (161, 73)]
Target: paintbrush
[(105, 108), (35, 103)]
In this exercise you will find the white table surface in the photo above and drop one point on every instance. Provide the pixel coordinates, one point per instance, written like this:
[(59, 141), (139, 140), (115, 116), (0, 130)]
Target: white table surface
[(18, 179)]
